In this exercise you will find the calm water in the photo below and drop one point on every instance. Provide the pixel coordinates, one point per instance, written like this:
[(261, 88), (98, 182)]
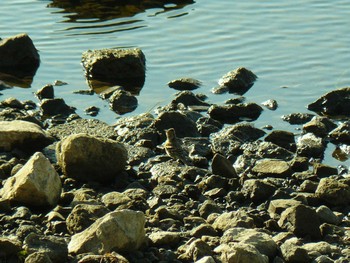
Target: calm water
[(299, 49)]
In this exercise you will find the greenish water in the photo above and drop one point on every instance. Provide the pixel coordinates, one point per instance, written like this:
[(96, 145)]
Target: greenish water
[(299, 49)]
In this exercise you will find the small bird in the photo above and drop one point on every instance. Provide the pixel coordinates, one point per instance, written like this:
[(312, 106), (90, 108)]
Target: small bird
[(173, 148)]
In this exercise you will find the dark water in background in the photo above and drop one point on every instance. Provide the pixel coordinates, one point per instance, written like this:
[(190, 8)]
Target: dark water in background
[(299, 49)]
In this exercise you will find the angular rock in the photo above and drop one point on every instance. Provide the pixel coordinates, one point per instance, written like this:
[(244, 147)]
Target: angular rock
[(23, 135), (323, 170), (195, 249), (292, 251), (326, 215), (258, 190), (46, 92), (301, 220), (85, 158), (184, 84), (334, 103), (237, 218), (165, 238), (188, 98), (283, 139), (38, 257), (333, 192), (238, 81), (240, 253), (235, 112), (117, 231), (125, 67), (123, 102), (309, 145), (35, 184), (223, 167), (320, 126), (52, 107), (276, 207), (322, 248), (272, 168), (341, 134), (18, 56), (297, 118)]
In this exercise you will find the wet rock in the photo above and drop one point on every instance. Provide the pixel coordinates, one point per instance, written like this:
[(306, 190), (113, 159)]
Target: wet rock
[(185, 84), (207, 126), (320, 126), (258, 190), (297, 118), (55, 247), (83, 215), (302, 220), (270, 104), (18, 56), (219, 90), (260, 240), (12, 103), (92, 127), (232, 219), (85, 158), (323, 170), (272, 168), (46, 92), (184, 126), (223, 167), (23, 135), (165, 238), (309, 145), (38, 257), (267, 150), (292, 251), (35, 184), (283, 139), (240, 253), (334, 103), (92, 110), (333, 192), (188, 98), (52, 107), (238, 81), (117, 231), (125, 67), (122, 102), (341, 134), (235, 113)]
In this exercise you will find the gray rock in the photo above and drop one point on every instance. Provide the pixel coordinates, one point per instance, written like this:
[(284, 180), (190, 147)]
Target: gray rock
[(23, 135), (258, 190), (272, 168), (283, 139), (297, 118), (309, 145), (234, 113), (223, 167), (292, 251), (38, 257), (334, 103), (36, 184), (184, 84), (18, 56), (232, 219), (123, 102), (85, 158), (238, 81), (207, 126), (116, 231), (84, 215), (270, 104), (240, 253), (55, 247), (302, 220), (333, 192), (267, 150), (52, 107)]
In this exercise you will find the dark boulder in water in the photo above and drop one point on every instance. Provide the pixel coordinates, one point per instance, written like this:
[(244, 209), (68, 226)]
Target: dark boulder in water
[(238, 81)]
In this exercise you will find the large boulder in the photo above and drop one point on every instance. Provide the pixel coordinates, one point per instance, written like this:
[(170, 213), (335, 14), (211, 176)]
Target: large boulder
[(125, 67), (24, 135), (18, 56), (86, 158), (36, 183), (118, 231)]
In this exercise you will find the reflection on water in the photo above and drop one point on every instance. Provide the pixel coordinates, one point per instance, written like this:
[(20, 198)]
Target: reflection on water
[(110, 9)]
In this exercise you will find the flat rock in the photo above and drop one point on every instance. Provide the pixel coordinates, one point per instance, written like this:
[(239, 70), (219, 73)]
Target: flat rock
[(165, 238), (272, 168), (297, 118), (333, 192), (188, 98), (184, 84)]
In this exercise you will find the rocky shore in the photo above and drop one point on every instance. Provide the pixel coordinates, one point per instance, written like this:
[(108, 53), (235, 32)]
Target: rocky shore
[(80, 190)]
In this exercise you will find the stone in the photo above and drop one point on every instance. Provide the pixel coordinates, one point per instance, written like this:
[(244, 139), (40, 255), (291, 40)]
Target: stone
[(84, 215), (302, 220), (196, 249), (272, 168), (237, 218), (240, 253), (165, 238), (36, 184), (112, 257), (114, 199), (24, 135), (258, 190), (209, 207), (123, 102), (333, 192), (255, 237), (270, 104), (203, 230), (341, 134), (55, 247), (184, 84), (118, 231), (125, 67), (234, 113), (309, 145), (206, 259), (188, 98), (18, 56), (326, 215), (84, 157), (292, 251), (9, 246), (223, 167), (283, 139), (322, 248), (38, 257), (297, 118), (52, 107), (320, 126), (323, 170), (238, 81), (46, 92), (334, 103)]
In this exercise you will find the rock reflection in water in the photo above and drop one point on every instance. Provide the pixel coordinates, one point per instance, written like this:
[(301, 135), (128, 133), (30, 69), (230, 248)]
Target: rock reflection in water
[(111, 9)]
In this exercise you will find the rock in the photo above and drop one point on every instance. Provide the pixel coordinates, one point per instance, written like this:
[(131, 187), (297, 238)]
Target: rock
[(232, 219), (83, 215), (272, 168), (270, 104), (341, 134), (267, 150), (184, 126), (165, 238), (209, 207), (258, 190), (308, 186), (334, 103), (35, 184), (195, 249), (283, 139), (277, 206), (18, 56), (326, 215), (238, 81), (125, 67), (309, 145), (9, 246), (85, 158), (116, 231), (184, 84), (223, 167), (320, 126), (323, 170), (234, 113), (188, 98), (52, 107), (297, 118), (260, 240), (240, 253), (292, 251), (55, 247), (206, 259), (122, 102), (302, 220), (333, 192), (92, 110), (207, 125), (38, 257), (23, 135), (112, 257), (46, 92), (203, 230), (322, 248)]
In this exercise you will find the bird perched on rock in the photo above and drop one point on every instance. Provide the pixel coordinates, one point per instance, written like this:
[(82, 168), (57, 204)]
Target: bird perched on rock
[(173, 148)]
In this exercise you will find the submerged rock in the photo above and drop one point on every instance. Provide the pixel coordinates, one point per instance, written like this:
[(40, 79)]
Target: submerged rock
[(238, 81), (52, 107), (297, 118), (185, 84)]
